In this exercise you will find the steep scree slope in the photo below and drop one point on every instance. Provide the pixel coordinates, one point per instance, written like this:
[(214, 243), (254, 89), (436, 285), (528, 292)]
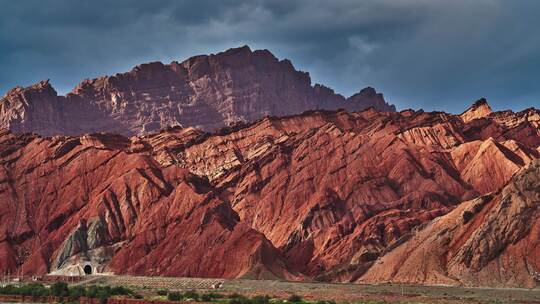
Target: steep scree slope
[(493, 240)]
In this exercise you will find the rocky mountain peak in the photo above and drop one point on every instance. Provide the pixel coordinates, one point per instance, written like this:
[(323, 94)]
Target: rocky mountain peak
[(204, 91), (43, 84), (479, 109), (41, 87), (375, 99), (368, 92), (19, 98)]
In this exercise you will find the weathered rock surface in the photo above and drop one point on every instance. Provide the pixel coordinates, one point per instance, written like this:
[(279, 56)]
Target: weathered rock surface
[(323, 195), (493, 240), (479, 109), (64, 201), (207, 92)]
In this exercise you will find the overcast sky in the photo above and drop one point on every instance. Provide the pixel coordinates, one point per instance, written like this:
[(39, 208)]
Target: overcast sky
[(430, 54)]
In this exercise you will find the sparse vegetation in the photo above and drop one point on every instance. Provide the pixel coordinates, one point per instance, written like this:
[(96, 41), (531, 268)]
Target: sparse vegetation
[(162, 292), (73, 293), (35, 290), (295, 299), (206, 298), (261, 299), (234, 298), (174, 296), (76, 292), (325, 302), (191, 295), (215, 296), (239, 300), (60, 289)]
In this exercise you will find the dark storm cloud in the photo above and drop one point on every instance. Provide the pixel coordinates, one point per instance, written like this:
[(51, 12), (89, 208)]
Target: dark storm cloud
[(420, 53)]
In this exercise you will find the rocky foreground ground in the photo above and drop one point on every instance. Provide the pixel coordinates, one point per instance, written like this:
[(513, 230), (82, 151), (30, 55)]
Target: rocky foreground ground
[(171, 290), (340, 293)]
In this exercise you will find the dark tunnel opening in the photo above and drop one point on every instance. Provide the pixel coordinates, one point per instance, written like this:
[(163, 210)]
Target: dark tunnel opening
[(87, 269)]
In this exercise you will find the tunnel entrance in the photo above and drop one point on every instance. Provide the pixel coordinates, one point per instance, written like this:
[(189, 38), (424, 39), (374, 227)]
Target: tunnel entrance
[(87, 269)]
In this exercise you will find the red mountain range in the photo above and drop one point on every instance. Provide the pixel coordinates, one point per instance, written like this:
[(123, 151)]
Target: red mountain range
[(345, 196), (208, 92)]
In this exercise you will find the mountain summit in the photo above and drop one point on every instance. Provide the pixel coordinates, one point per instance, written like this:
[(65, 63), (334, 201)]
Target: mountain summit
[(206, 91), (479, 109)]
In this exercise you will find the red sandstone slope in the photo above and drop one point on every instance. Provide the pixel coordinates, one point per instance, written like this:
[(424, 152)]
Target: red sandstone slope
[(208, 92), (493, 240), (319, 195), (335, 195), (66, 200)]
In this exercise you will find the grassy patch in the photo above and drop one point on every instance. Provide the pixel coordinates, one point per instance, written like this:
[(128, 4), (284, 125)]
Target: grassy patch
[(72, 293)]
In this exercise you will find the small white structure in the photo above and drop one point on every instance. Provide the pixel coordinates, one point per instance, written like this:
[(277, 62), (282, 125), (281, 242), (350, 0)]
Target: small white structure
[(80, 269)]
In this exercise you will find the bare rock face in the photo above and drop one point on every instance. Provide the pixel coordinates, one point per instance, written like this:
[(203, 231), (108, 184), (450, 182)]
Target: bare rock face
[(39, 109), (207, 92), (118, 212), (479, 109), (326, 195), (491, 241)]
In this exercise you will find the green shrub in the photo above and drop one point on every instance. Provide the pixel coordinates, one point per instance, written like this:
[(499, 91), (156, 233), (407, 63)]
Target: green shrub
[(215, 295), (33, 289), (174, 296), (327, 302), (191, 294), (206, 298), (91, 291), (260, 300), (136, 296), (238, 301), (76, 292), (103, 294), (209, 297), (8, 290), (121, 291), (294, 299), (162, 292), (60, 289), (38, 290)]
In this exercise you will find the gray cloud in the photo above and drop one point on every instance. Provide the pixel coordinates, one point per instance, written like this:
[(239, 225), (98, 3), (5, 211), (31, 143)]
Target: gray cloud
[(431, 54)]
